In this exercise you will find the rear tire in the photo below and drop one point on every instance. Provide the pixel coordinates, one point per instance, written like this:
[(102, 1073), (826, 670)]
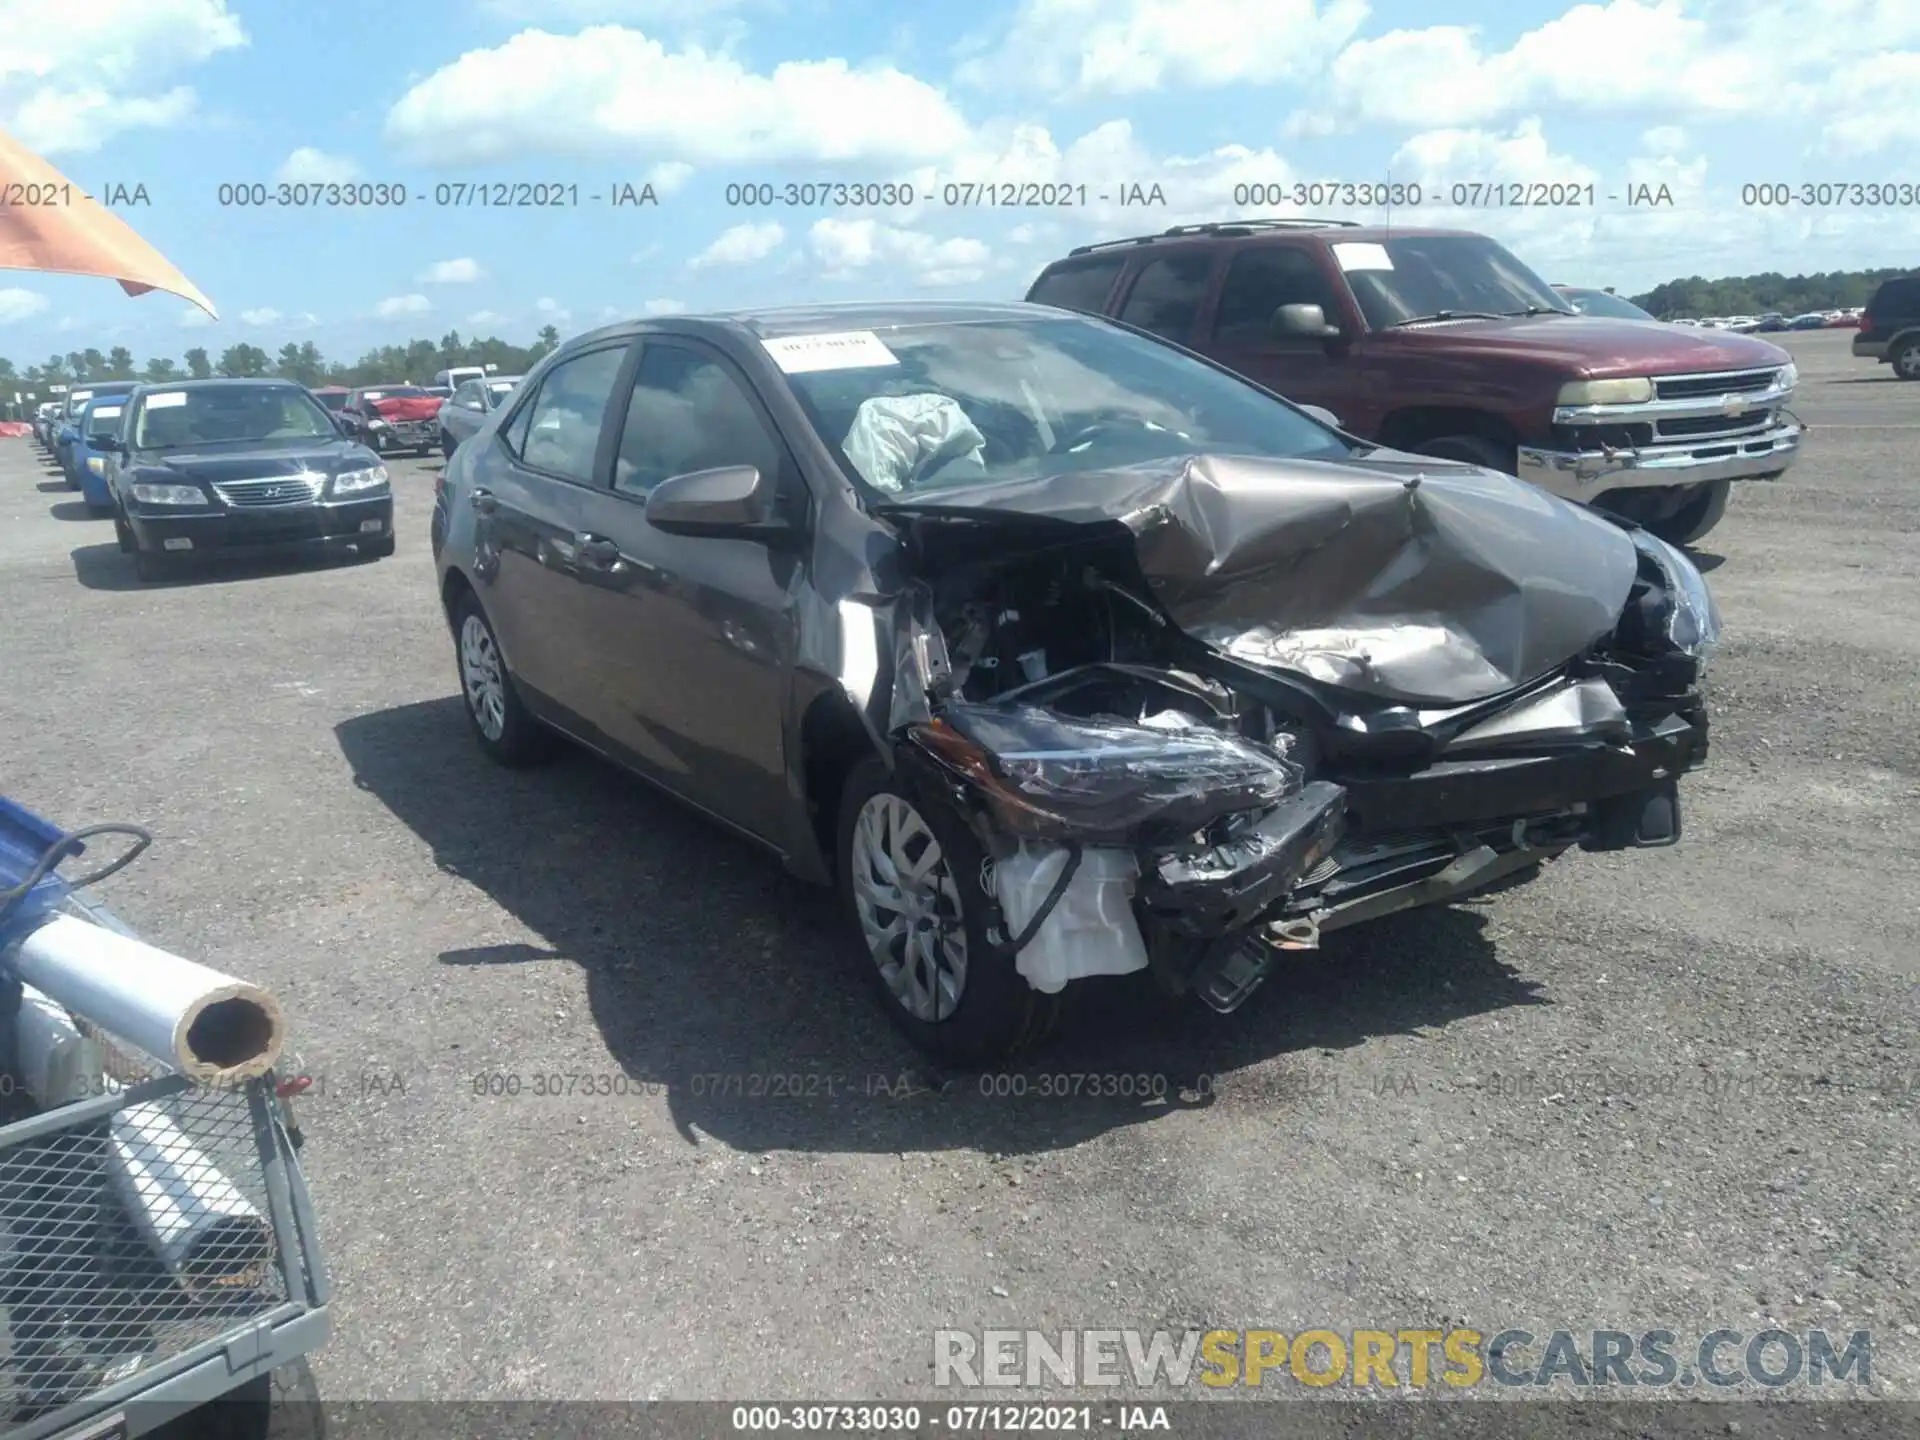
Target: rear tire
[(1474, 449), (1906, 359), (505, 728), (996, 1015)]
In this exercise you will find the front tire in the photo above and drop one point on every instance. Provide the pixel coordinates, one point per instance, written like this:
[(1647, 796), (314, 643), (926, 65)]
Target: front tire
[(153, 569), (1474, 450), (1699, 515), (911, 886), (507, 731), (1906, 359)]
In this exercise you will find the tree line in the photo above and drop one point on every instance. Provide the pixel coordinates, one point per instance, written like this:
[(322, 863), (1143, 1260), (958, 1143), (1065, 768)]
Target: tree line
[(416, 361), (1696, 298)]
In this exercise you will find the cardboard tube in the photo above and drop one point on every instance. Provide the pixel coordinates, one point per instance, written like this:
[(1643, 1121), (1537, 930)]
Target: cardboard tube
[(213, 1028)]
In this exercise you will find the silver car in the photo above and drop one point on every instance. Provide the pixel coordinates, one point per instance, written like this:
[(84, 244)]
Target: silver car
[(467, 408)]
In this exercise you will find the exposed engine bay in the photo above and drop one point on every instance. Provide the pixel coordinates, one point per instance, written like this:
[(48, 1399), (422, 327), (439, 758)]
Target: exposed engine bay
[(1150, 800)]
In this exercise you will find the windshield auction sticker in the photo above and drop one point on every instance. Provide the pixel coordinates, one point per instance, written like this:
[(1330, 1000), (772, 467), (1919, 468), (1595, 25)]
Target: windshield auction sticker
[(167, 400), (842, 350), (1360, 255)]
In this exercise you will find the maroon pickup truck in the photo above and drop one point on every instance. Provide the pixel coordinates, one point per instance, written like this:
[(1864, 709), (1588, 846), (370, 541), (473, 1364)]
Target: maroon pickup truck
[(1443, 343)]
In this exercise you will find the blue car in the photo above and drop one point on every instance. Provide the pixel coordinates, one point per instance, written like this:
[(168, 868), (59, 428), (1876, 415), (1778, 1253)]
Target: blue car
[(67, 428), (97, 423)]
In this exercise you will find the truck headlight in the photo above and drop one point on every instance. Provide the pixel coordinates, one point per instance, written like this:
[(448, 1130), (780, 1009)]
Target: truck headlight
[(356, 482), (1606, 392), (148, 494), (96, 465), (1789, 376), (1693, 620)]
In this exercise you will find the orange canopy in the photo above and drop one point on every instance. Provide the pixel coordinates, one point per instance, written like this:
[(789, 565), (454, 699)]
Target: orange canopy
[(75, 235)]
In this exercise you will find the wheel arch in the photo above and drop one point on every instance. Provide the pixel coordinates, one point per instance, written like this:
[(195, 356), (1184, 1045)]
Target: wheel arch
[(833, 739), (1414, 425)]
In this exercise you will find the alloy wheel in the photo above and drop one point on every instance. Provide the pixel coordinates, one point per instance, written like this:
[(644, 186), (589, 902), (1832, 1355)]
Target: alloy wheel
[(909, 907), (1907, 363), (483, 677)]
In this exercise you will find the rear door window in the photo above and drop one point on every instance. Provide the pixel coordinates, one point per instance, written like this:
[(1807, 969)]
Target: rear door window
[(1078, 285), (1167, 294)]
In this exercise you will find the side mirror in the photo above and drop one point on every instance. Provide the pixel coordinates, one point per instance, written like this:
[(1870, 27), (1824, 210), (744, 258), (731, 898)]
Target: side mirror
[(733, 502), (1323, 415), (1302, 322)]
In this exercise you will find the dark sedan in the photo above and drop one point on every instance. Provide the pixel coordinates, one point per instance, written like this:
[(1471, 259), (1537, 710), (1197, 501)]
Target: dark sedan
[(1062, 652), (466, 410), (212, 468)]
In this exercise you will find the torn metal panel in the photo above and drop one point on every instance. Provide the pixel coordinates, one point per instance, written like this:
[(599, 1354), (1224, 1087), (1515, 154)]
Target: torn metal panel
[(1393, 576), (1210, 889), (1573, 710)]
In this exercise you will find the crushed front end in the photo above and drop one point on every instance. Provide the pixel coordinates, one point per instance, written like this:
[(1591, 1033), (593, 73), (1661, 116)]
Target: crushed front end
[(1151, 797)]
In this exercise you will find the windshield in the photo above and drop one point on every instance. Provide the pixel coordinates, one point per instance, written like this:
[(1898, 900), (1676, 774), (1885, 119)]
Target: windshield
[(103, 420), (1420, 276), (229, 415), (498, 390), (1599, 302), (333, 399), (928, 407)]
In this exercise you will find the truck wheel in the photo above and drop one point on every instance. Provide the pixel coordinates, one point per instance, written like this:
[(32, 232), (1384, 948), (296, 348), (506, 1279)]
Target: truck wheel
[(910, 879), (1697, 516), (1906, 359), (152, 568), (1474, 449), (122, 531)]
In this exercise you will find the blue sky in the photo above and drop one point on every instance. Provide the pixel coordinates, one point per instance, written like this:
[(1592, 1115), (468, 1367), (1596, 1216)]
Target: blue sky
[(1194, 96)]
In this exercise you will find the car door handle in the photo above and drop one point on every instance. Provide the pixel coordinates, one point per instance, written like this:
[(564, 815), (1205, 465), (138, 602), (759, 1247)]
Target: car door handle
[(596, 550), (483, 502)]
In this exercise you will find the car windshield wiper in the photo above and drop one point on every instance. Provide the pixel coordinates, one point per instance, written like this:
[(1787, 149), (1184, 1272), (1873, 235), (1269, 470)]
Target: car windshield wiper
[(1448, 315), (1538, 310)]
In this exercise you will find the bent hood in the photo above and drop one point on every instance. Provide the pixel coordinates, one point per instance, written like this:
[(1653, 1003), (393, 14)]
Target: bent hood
[(402, 407), (1403, 577)]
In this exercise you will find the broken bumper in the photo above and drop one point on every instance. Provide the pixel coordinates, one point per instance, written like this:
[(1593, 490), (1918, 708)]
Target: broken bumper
[(1583, 474)]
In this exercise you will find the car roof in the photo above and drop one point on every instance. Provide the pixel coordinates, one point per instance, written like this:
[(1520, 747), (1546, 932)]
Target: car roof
[(777, 322), (1214, 231), (219, 382)]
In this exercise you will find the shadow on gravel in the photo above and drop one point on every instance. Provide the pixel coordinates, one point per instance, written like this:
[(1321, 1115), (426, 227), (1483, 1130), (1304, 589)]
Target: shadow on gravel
[(108, 567), (53, 487), (1706, 560), (718, 977), (73, 510)]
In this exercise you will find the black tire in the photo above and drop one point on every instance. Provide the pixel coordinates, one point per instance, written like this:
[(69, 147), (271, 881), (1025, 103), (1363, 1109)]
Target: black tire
[(520, 740), (1699, 515), (1474, 449), (1905, 358), (123, 532), (446, 445), (153, 568), (998, 1015), (377, 549)]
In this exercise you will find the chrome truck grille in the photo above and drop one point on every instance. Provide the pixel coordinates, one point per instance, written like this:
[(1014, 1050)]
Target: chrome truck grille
[(1721, 382), (1735, 417), (271, 490)]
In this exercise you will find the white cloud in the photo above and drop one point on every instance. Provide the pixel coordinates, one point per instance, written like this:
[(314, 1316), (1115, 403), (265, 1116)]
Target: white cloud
[(664, 307), (609, 91), (1126, 47), (1664, 140), (17, 305), (193, 317), (592, 12), (402, 305), (463, 271), (1719, 59), (670, 176), (69, 84), (486, 317), (1111, 183), (845, 247), (260, 317), (551, 310), (1874, 107), (741, 245), (307, 166)]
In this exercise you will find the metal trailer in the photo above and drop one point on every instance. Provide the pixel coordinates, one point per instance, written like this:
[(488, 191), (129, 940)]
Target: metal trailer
[(104, 1331)]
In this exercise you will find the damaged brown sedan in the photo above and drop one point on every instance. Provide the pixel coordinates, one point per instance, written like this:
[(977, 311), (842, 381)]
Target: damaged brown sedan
[(1062, 651)]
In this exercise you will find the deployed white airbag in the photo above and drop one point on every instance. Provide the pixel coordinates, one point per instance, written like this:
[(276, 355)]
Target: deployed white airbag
[(896, 439), (1090, 930)]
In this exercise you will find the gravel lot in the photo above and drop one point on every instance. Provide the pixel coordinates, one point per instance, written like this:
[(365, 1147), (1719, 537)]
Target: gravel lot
[(1674, 1089)]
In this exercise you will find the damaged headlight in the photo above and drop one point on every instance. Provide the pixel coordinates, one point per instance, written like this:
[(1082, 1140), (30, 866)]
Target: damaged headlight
[(1046, 775), (1693, 620)]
